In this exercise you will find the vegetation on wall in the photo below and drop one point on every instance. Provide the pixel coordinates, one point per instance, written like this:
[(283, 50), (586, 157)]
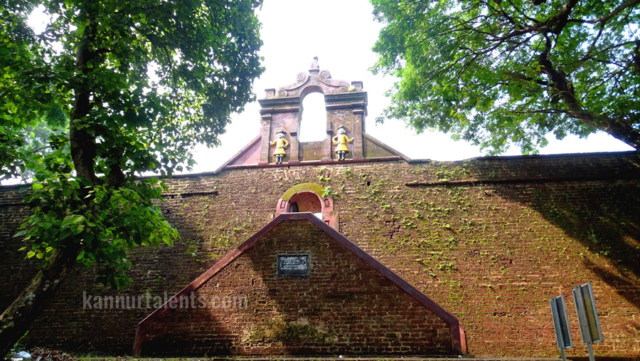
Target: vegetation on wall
[(94, 64), (490, 253)]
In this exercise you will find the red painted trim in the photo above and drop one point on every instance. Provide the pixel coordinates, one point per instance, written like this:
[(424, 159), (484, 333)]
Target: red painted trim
[(239, 154), (386, 147), (457, 334), (463, 341)]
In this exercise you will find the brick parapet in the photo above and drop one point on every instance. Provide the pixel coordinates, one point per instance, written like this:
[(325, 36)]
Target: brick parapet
[(492, 254)]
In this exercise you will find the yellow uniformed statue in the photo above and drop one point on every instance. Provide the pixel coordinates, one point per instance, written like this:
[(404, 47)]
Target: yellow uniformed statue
[(341, 141), (281, 144)]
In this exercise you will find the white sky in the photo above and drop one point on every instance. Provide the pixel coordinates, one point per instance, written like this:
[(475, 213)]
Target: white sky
[(341, 34)]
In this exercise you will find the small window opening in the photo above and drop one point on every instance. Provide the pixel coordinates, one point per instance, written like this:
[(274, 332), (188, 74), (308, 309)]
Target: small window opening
[(294, 208), (313, 125)]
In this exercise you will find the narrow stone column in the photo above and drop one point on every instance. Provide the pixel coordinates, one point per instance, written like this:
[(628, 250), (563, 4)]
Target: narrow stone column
[(294, 152), (327, 146), (358, 142), (264, 145)]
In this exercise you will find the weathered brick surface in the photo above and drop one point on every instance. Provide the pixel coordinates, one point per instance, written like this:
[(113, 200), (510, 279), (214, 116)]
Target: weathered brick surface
[(342, 307), (492, 254)]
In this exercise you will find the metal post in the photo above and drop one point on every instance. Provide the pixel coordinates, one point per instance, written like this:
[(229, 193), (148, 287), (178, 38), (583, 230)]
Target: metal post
[(561, 324), (588, 317), (592, 357)]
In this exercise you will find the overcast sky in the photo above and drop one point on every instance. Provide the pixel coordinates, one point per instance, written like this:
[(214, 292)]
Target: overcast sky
[(341, 34)]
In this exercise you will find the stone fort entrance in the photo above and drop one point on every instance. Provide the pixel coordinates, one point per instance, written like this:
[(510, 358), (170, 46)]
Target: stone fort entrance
[(303, 287)]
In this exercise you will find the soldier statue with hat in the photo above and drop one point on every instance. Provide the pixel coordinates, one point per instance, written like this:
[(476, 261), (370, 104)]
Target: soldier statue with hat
[(281, 144), (341, 141)]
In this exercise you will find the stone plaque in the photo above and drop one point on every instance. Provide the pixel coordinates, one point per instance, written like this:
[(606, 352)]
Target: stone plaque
[(293, 265)]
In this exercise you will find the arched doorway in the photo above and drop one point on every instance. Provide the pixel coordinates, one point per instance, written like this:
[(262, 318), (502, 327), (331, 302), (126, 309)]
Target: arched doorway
[(306, 202), (307, 197)]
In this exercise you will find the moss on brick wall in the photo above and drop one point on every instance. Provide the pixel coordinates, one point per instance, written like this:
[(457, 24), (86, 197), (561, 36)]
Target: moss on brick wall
[(492, 250), (342, 307)]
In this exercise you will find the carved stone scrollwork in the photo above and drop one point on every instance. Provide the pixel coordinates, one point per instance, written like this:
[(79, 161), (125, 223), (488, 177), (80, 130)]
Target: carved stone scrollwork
[(294, 89), (319, 79)]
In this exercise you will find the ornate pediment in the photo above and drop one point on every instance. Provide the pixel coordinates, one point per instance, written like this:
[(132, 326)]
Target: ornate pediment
[(314, 80)]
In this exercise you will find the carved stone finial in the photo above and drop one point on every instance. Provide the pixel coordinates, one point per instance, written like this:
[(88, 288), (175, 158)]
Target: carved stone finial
[(314, 63)]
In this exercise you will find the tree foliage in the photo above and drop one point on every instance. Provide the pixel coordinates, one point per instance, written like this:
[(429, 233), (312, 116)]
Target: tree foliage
[(499, 71), (137, 84)]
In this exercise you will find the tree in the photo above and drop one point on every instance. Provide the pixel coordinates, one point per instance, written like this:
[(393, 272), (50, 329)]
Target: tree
[(36, 138), (499, 71), (95, 63)]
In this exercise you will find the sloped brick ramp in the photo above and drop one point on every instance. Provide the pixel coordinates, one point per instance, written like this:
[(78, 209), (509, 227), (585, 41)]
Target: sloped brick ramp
[(348, 304)]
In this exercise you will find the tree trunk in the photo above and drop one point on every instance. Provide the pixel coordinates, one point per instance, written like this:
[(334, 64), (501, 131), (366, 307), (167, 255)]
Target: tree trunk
[(19, 316), (82, 143)]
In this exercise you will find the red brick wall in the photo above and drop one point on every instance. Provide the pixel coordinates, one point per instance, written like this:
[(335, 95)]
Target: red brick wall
[(491, 253), (342, 307)]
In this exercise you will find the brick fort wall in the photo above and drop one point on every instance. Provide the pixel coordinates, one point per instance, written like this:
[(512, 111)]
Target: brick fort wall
[(489, 239), (342, 307)]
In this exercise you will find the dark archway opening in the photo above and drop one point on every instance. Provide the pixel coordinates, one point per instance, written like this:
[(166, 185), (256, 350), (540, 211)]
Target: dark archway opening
[(306, 202)]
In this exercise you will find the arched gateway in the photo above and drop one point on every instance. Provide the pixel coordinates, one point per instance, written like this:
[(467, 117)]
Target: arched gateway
[(308, 197)]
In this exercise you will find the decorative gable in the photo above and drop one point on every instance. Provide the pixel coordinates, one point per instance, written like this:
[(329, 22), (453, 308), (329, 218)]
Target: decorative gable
[(281, 111), (298, 287)]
